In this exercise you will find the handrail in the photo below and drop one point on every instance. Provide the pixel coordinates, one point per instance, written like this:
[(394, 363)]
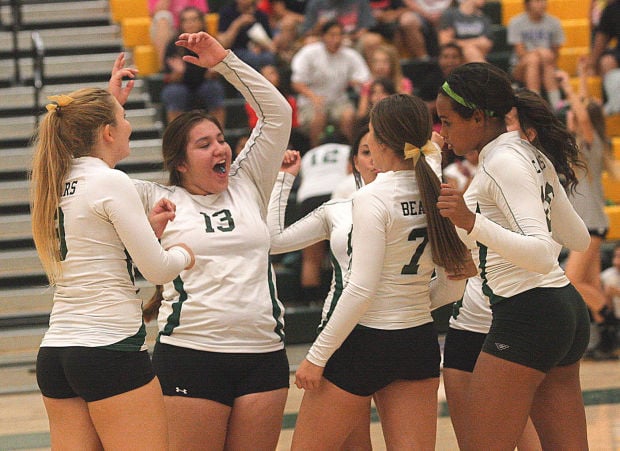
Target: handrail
[(38, 71), (15, 27)]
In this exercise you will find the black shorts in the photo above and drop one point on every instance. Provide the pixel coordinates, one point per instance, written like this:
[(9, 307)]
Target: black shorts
[(600, 233), (312, 203), (461, 349), (218, 376), (91, 373), (540, 328), (371, 359)]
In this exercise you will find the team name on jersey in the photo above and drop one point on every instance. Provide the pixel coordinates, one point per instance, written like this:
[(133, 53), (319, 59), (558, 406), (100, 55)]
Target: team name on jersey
[(412, 208), (69, 188)]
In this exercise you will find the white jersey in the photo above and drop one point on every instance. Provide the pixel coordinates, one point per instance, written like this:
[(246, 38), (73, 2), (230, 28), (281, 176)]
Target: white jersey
[(228, 302), (322, 169), (331, 221), (103, 228), (473, 312), (391, 267), (523, 218)]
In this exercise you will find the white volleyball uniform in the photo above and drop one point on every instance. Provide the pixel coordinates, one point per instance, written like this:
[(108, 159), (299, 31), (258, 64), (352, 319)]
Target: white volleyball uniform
[(103, 229), (228, 302)]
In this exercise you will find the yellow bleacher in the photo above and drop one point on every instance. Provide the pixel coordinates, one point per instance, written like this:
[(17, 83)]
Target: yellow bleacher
[(136, 31), (594, 86), (613, 213), (562, 9), (615, 142), (613, 125), (122, 9)]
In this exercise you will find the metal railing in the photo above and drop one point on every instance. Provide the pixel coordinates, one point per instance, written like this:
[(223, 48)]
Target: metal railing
[(38, 71)]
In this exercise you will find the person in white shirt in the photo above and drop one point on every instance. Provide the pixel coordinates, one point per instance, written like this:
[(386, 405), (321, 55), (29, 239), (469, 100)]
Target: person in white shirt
[(322, 72), (516, 212), (89, 227), (380, 340), (220, 351)]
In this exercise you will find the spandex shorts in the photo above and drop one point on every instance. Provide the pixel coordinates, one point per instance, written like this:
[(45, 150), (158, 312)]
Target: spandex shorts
[(91, 373), (540, 328), (462, 348), (218, 376), (371, 359)]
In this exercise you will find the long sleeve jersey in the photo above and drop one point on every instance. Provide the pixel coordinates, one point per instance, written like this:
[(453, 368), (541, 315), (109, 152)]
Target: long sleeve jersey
[(228, 302), (103, 229)]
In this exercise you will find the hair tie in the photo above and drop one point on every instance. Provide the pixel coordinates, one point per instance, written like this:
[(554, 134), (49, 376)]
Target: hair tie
[(413, 153), (58, 102), (461, 101)]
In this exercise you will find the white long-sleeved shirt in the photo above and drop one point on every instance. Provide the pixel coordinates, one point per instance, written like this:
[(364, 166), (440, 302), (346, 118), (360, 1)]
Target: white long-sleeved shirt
[(228, 302), (523, 218), (102, 229), (391, 267)]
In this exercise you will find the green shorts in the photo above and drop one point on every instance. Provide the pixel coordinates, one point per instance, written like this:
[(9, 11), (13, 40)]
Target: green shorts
[(540, 328)]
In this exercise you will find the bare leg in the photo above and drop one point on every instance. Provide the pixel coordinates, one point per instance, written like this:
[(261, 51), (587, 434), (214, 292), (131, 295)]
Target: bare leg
[(583, 269), (499, 401), (456, 384), (529, 440), (70, 425), (196, 424), (326, 417), (120, 420), (256, 421), (359, 438), (408, 411), (558, 410)]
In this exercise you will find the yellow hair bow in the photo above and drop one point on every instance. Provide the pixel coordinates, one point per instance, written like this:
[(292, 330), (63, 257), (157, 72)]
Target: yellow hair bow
[(58, 101), (413, 152)]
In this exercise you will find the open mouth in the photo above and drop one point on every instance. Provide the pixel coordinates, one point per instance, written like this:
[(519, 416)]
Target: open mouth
[(220, 168)]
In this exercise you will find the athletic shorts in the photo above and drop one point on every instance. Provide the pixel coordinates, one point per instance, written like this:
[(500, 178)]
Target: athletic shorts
[(462, 348), (540, 328), (371, 359), (312, 203), (600, 233), (218, 376), (91, 373)]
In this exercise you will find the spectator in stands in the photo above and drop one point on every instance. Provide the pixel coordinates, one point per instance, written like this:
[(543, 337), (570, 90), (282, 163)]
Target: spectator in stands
[(354, 16), (379, 89), (245, 29), (187, 86), (322, 169), (429, 14), (602, 59), (536, 38), (165, 21), (469, 27), (286, 17), (427, 86), (394, 23), (586, 121), (322, 74), (93, 369), (610, 279)]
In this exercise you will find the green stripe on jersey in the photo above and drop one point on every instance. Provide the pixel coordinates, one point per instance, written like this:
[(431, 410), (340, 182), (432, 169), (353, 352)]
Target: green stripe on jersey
[(133, 343), (275, 307), (338, 285), (61, 234), (173, 319)]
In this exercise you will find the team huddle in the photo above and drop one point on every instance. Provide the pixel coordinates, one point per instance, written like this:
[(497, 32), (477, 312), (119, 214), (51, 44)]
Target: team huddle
[(401, 246)]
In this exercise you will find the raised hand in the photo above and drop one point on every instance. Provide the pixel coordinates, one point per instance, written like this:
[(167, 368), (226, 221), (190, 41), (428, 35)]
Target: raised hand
[(161, 213), (291, 162), (210, 52), (451, 205), (115, 85)]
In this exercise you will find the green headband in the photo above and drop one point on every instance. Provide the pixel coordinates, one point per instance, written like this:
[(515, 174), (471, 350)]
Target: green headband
[(461, 101)]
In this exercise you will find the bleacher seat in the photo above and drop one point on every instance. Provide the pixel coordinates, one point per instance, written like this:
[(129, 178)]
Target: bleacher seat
[(611, 188), (569, 56), (121, 9), (594, 86), (135, 31), (145, 60), (577, 32), (615, 142), (613, 125), (613, 213), (562, 9)]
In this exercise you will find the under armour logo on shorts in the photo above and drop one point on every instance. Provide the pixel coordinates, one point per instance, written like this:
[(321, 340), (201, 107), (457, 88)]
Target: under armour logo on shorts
[(181, 390), (501, 346)]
